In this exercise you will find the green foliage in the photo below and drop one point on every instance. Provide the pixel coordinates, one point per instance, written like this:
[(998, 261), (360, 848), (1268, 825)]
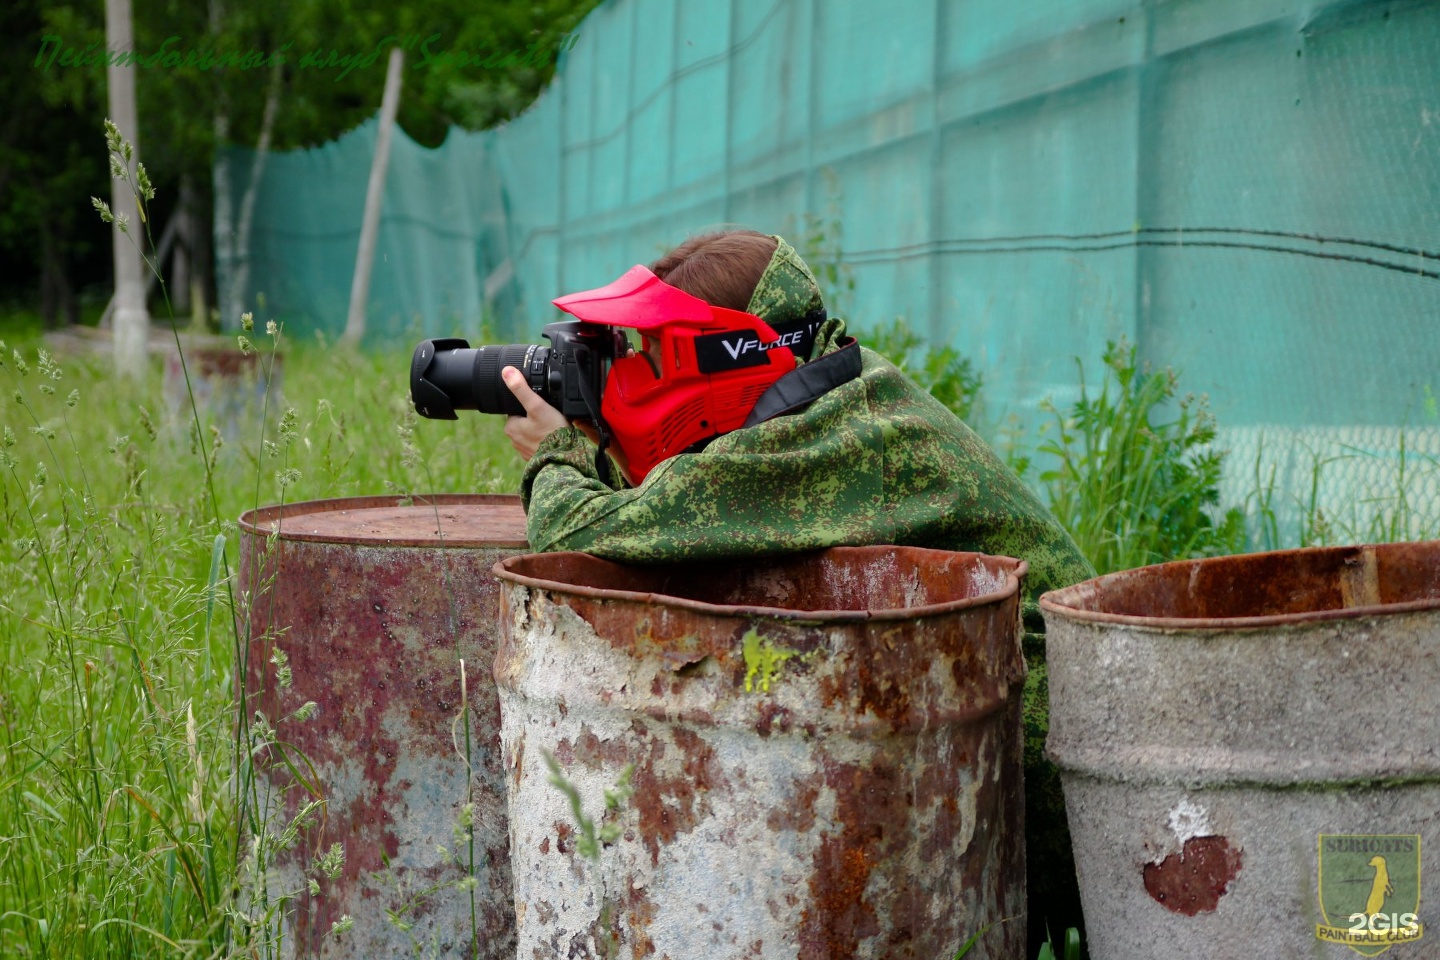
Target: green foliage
[(945, 373), (1131, 487), (188, 112), (591, 837), (1070, 948)]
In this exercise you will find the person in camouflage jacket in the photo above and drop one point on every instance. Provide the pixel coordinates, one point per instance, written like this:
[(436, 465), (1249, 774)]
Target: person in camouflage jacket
[(875, 460)]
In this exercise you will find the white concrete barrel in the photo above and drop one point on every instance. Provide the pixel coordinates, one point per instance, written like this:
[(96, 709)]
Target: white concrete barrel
[(1250, 749)]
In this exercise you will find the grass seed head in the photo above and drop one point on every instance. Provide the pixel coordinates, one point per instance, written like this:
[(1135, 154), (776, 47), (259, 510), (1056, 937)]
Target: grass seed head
[(332, 861)]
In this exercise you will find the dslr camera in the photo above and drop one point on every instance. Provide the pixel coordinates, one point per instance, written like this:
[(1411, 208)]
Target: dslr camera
[(448, 375)]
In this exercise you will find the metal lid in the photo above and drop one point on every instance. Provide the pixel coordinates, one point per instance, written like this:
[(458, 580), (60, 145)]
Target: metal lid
[(1257, 590), (433, 520)]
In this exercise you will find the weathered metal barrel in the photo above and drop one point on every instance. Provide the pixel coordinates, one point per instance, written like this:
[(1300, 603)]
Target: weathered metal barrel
[(1250, 749), (227, 385), (825, 753), (372, 605)]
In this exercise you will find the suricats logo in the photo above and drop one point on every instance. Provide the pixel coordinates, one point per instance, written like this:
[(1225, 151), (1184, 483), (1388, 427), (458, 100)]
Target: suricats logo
[(1369, 891)]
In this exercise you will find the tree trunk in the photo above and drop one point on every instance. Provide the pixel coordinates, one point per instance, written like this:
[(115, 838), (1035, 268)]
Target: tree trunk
[(240, 280), (374, 199), (131, 320), (184, 239), (53, 284), (202, 263), (223, 228)]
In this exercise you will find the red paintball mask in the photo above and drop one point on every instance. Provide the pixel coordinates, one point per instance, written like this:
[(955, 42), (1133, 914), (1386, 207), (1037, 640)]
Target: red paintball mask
[(711, 366)]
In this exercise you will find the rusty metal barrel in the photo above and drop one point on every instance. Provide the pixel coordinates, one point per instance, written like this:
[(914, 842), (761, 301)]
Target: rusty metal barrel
[(1250, 750), (372, 605), (824, 751)]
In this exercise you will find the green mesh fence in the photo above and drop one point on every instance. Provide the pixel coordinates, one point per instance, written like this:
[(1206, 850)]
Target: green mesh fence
[(1246, 188)]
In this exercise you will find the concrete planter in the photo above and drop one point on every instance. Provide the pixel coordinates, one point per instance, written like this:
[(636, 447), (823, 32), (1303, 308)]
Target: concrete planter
[(826, 755), (374, 604), (1231, 731)]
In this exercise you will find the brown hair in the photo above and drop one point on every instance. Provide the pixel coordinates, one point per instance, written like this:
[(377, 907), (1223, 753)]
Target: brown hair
[(721, 268)]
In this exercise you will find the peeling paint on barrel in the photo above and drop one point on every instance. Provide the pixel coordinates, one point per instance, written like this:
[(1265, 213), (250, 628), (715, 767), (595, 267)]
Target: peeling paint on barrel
[(1211, 718), (1193, 880), (868, 805), (373, 604)]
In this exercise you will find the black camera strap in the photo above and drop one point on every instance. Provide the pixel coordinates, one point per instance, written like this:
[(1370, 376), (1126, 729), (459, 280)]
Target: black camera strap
[(592, 403), (805, 384)]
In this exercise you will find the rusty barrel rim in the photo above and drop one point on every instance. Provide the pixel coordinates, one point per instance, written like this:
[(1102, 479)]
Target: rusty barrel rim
[(260, 521), (1064, 603), (1012, 570)]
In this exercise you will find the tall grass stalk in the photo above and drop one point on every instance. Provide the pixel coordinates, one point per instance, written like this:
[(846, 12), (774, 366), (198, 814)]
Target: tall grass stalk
[(126, 782)]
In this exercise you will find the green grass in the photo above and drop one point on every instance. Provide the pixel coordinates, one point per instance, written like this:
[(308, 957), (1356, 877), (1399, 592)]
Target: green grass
[(119, 804), (122, 791)]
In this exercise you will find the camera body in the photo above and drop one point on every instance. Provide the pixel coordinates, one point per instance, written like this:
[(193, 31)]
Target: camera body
[(448, 375)]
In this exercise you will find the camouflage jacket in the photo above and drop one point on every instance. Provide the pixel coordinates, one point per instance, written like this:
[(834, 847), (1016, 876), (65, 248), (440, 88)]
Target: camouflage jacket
[(875, 460)]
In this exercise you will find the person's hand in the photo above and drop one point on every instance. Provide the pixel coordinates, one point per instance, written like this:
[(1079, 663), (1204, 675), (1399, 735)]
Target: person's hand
[(540, 418)]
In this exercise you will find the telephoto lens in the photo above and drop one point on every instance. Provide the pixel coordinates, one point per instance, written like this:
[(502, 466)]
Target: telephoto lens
[(449, 375)]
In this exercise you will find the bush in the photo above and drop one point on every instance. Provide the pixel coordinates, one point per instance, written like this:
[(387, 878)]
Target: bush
[(1131, 488)]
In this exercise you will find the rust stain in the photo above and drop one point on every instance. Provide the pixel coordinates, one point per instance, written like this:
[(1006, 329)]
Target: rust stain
[(799, 816), (640, 911), (772, 716), (1194, 880), (872, 810), (667, 805), (372, 638), (563, 833), (1262, 589)]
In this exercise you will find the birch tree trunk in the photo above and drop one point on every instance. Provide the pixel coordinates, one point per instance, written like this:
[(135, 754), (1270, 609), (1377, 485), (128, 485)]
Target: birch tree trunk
[(131, 324), (374, 199), (224, 225)]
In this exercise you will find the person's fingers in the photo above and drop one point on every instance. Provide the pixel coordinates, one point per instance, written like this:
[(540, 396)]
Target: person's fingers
[(518, 430), (529, 399)]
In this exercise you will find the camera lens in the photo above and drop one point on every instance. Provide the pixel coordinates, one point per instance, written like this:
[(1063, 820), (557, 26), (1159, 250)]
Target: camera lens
[(491, 394), (450, 375)]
